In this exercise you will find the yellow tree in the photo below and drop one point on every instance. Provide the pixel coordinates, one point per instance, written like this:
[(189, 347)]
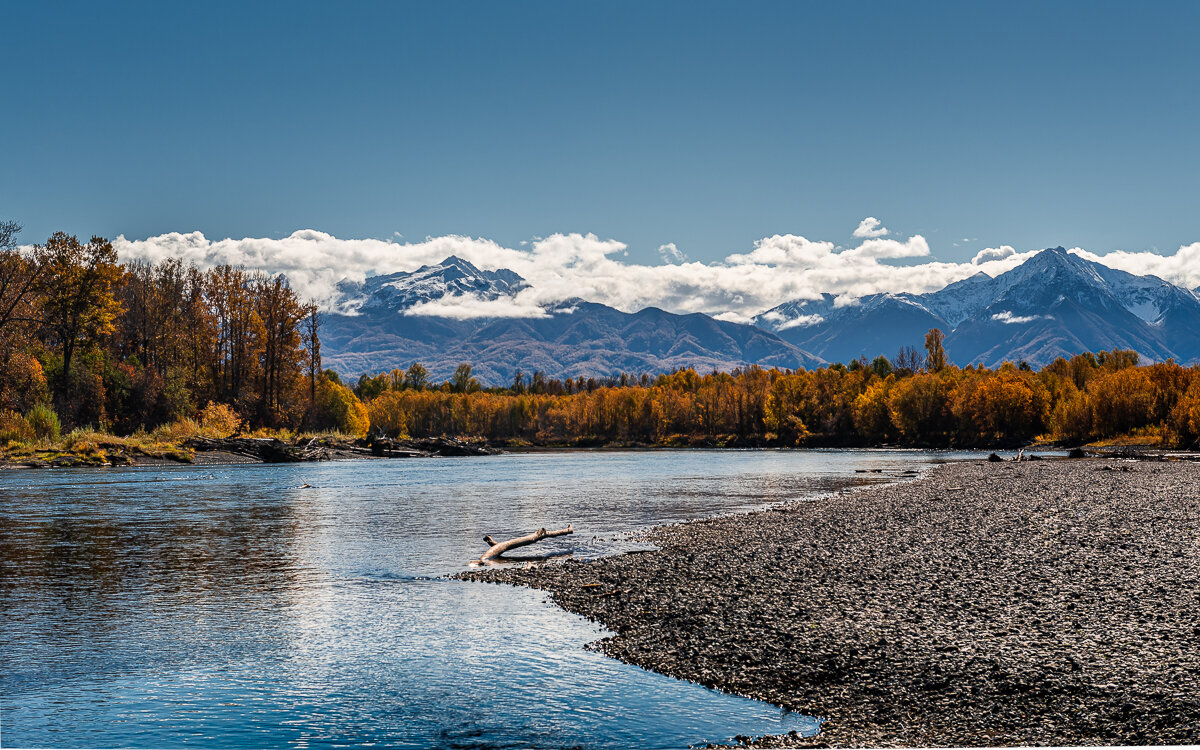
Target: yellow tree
[(935, 353), (78, 305), (918, 406), (280, 357)]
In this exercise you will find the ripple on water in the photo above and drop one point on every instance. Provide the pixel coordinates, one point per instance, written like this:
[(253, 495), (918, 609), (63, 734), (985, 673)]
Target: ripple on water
[(226, 607)]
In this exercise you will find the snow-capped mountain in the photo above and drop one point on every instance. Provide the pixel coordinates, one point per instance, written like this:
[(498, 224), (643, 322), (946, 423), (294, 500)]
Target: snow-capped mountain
[(452, 277), (573, 338), (1055, 304)]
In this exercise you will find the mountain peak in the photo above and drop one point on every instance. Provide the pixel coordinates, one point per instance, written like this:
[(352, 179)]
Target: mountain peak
[(1055, 258), (454, 260), (1053, 254), (1056, 303), (454, 276)]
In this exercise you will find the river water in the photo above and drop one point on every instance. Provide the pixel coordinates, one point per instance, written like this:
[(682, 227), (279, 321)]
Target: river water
[(235, 607)]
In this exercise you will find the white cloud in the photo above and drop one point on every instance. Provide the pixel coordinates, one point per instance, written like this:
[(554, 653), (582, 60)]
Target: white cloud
[(671, 254), (870, 227), (784, 250), (913, 247), (801, 321), (733, 317), (993, 253), (562, 267), (1008, 318), (469, 306), (1182, 268), (314, 261)]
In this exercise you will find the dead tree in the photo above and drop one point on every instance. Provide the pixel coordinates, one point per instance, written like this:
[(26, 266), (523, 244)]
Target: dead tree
[(497, 549)]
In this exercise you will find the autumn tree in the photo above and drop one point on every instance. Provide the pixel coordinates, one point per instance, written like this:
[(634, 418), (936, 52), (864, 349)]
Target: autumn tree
[(78, 305), (1183, 424), (23, 383), (1002, 407), (21, 276), (461, 381), (238, 333), (280, 357), (935, 353), (918, 406), (312, 348), (1121, 400), (337, 408), (870, 412), (416, 377)]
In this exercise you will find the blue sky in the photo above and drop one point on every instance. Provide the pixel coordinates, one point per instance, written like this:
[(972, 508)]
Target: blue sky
[(700, 124)]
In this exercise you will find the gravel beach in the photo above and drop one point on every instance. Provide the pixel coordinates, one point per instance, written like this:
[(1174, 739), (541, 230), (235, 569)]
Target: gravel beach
[(1047, 602)]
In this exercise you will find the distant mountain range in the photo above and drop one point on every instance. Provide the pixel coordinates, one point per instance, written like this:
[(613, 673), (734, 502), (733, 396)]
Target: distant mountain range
[(575, 338), (1055, 304)]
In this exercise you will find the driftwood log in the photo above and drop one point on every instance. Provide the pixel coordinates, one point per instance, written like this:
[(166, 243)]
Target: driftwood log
[(496, 549)]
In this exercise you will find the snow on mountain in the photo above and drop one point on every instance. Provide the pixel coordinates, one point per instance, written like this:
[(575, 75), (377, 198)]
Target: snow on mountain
[(960, 300), (1054, 304), (574, 337), (452, 277)]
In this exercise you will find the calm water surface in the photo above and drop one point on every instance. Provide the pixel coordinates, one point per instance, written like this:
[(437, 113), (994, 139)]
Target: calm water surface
[(231, 607)]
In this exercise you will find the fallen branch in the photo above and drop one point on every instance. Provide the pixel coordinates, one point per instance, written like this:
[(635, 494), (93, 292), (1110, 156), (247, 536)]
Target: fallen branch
[(499, 548)]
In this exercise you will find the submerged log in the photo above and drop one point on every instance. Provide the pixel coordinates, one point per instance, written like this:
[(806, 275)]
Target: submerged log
[(499, 548)]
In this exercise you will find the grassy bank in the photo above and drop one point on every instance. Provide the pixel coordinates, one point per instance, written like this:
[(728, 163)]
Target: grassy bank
[(173, 443)]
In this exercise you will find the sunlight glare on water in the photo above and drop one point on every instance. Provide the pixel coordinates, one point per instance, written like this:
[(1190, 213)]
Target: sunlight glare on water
[(230, 607)]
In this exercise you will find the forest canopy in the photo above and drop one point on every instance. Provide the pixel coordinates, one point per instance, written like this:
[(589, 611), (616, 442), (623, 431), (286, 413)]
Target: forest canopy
[(899, 401), (88, 341), (122, 347)]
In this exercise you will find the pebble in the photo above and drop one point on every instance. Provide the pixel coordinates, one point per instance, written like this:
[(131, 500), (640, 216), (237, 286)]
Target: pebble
[(1047, 604)]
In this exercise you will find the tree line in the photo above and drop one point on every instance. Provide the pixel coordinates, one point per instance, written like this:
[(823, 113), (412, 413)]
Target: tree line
[(913, 399), (88, 341)]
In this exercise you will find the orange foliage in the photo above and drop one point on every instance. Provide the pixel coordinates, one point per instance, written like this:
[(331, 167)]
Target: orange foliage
[(1087, 397)]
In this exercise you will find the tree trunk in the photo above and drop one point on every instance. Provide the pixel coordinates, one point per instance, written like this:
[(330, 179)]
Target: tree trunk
[(499, 548)]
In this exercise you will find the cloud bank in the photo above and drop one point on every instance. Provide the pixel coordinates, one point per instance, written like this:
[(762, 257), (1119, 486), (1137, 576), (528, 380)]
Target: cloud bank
[(570, 266)]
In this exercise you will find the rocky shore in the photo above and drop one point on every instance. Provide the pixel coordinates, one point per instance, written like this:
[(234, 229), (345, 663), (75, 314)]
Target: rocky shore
[(1033, 603)]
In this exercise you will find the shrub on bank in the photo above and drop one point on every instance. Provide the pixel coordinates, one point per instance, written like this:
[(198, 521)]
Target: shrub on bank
[(219, 420), (44, 423), (14, 428)]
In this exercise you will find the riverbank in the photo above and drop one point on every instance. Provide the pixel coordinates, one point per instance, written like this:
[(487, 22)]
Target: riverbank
[(1031, 603), (99, 449)]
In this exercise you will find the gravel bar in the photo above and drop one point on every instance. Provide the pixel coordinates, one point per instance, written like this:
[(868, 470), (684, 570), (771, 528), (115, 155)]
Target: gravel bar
[(1032, 603)]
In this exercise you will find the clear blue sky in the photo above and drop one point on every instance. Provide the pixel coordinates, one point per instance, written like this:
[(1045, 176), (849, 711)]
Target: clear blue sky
[(707, 125)]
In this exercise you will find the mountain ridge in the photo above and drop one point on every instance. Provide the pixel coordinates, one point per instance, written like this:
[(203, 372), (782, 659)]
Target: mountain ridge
[(1054, 304), (574, 338)]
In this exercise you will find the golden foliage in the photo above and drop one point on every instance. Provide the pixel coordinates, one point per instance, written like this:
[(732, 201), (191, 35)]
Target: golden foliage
[(1081, 399), (219, 420)]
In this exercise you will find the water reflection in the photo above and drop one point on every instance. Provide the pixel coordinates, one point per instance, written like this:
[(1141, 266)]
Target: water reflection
[(229, 607)]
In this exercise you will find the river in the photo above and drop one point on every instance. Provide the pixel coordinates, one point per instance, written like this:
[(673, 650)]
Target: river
[(234, 606)]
